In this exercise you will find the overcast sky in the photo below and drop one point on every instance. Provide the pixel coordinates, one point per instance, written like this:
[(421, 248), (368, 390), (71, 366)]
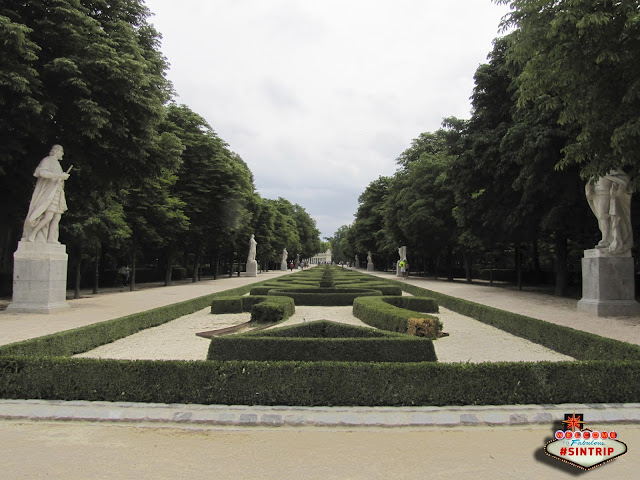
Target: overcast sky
[(320, 97)]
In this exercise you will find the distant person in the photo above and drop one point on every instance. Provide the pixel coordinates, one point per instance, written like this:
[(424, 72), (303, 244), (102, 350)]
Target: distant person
[(123, 273), (291, 265), (403, 268)]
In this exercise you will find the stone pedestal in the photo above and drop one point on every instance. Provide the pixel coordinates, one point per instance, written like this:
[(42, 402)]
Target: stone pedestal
[(608, 288), (370, 267), (252, 268), (398, 273), (39, 278), (284, 267)]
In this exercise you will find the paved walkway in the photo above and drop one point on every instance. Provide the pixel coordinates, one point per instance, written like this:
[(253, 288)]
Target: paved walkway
[(107, 439)]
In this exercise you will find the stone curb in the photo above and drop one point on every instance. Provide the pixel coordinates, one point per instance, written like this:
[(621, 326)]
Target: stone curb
[(277, 416)]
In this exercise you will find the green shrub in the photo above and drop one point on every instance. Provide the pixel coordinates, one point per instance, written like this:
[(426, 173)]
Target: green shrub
[(273, 309), (323, 296), (380, 313), (321, 341), (319, 383)]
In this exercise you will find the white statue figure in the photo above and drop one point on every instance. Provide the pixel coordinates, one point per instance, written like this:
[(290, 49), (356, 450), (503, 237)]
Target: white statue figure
[(285, 254), (369, 260), (357, 263), (610, 201), (252, 249), (402, 251), (47, 202)]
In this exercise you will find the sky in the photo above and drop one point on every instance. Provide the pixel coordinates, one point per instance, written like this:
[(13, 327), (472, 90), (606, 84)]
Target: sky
[(320, 98)]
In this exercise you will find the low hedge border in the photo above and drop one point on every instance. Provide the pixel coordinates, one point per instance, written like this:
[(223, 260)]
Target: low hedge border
[(324, 296), (574, 343), (264, 309), (392, 313), (322, 341), (319, 383)]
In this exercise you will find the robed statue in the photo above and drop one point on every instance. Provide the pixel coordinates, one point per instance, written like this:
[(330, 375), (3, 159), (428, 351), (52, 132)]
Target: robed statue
[(48, 202)]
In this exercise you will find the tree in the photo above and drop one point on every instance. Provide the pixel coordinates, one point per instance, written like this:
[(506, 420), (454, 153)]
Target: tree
[(582, 59), (87, 75)]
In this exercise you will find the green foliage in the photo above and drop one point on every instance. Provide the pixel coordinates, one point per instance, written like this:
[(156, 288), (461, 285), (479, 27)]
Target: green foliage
[(323, 296), (392, 313), (263, 309), (319, 383), (581, 58), (321, 341)]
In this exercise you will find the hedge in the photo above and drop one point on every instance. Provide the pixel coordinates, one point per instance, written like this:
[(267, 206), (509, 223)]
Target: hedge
[(381, 313), (263, 309), (319, 383), (323, 296), (320, 341)]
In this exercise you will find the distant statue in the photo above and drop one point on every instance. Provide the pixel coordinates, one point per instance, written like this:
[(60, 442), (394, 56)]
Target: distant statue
[(402, 251), (357, 263), (252, 249), (369, 260), (610, 201), (285, 254), (48, 202)]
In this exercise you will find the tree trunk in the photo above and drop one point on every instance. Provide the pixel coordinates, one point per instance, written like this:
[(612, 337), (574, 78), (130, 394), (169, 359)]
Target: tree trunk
[(96, 278), (561, 264), (196, 265), (518, 260), (76, 290), (132, 281), (467, 265), (216, 262), (168, 268), (449, 264)]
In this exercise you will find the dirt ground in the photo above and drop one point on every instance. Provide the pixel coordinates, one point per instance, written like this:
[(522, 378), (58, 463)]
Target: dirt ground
[(77, 450)]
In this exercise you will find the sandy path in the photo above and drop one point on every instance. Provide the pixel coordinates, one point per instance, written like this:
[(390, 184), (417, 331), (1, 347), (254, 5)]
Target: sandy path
[(468, 340)]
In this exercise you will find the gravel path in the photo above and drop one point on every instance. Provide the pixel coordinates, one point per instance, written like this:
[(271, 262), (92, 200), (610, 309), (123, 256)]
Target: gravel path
[(468, 340)]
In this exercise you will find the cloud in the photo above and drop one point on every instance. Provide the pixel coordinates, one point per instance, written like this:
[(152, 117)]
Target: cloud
[(320, 98)]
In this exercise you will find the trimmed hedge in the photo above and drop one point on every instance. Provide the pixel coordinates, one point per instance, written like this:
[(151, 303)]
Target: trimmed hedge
[(319, 383), (381, 313), (237, 347), (263, 309), (324, 296), (322, 340)]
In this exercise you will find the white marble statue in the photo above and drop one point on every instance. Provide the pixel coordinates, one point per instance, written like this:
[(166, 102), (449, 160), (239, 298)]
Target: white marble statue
[(252, 249), (369, 260), (402, 251), (48, 202), (610, 201), (285, 254)]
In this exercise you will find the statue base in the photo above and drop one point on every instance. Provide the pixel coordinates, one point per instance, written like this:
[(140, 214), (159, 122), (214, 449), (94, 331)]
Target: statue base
[(39, 278), (608, 288), (284, 267), (370, 267), (252, 268), (398, 273)]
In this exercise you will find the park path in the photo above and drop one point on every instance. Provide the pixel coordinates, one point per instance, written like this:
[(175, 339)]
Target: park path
[(112, 304)]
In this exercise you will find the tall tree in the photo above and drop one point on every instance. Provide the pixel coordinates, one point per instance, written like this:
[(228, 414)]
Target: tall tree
[(582, 58)]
